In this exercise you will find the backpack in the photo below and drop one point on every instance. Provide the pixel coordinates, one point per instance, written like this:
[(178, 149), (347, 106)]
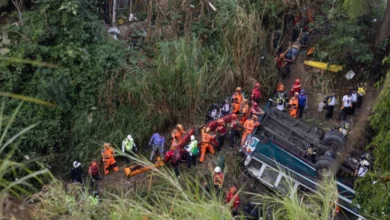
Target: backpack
[(176, 156)]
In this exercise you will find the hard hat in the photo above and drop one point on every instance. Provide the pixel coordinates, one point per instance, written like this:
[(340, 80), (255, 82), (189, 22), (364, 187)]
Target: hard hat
[(296, 94), (280, 87), (94, 163), (238, 89), (207, 130), (302, 91), (192, 137), (76, 164), (233, 189), (255, 104), (179, 126), (129, 137), (217, 169), (106, 145), (257, 85), (297, 81)]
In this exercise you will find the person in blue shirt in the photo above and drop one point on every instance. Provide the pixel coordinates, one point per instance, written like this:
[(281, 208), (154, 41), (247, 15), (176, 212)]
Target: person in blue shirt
[(157, 142), (301, 103)]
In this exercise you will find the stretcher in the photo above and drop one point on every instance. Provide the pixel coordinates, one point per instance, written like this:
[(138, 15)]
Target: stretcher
[(214, 123), (184, 140), (324, 66), (139, 168)]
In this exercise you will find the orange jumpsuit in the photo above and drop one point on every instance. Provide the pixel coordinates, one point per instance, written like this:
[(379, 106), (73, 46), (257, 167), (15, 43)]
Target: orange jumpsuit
[(236, 108), (293, 107), (249, 126), (205, 145), (218, 180), (176, 135), (108, 159), (238, 97), (245, 113)]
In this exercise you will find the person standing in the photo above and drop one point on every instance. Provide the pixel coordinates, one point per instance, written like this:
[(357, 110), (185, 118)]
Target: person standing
[(225, 107), (244, 111), (330, 102), (280, 97), (256, 110), (157, 143), (238, 95), (301, 102), (173, 156), (232, 197), (206, 145), (77, 172), (296, 87), (94, 171), (346, 106), (108, 158), (221, 129), (234, 131), (361, 92), (192, 152), (354, 101), (218, 180), (249, 127), (256, 93), (129, 147), (293, 105)]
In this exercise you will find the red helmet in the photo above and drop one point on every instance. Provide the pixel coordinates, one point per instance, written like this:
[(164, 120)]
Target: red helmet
[(255, 104), (297, 81), (257, 85)]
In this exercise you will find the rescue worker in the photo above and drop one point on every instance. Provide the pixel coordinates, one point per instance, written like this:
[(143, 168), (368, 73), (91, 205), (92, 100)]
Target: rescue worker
[(282, 65), (157, 143), (218, 180), (301, 102), (293, 105), (311, 153), (249, 127), (256, 93), (108, 158), (177, 133), (129, 147), (173, 156), (221, 129), (346, 106), (212, 113), (330, 102), (94, 171), (225, 107), (256, 110), (244, 111), (236, 107), (280, 97), (77, 172), (238, 95), (354, 101), (296, 87), (233, 198), (234, 131), (192, 152), (205, 144), (361, 91)]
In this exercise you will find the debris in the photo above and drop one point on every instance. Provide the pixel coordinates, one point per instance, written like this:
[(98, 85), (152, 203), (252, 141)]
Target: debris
[(350, 74), (132, 17), (114, 31)]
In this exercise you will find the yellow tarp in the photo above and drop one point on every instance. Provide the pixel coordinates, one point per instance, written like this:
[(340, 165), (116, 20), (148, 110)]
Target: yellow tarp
[(324, 66)]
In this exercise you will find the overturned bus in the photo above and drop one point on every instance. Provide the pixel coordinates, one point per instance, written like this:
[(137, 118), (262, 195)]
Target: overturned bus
[(275, 157)]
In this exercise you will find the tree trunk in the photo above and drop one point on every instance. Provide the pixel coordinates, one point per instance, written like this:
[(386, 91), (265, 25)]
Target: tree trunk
[(384, 31)]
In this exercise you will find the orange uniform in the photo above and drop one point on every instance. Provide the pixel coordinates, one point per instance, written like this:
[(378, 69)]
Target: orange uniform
[(238, 96), (218, 179), (176, 135), (245, 113), (249, 127), (236, 107), (293, 107), (108, 159), (205, 145)]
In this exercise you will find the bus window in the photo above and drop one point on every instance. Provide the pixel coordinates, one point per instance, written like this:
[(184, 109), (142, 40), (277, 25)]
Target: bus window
[(254, 167), (269, 175), (284, 185)]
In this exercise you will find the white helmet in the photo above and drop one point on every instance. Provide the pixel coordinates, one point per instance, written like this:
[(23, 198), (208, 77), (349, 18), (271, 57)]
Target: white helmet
[(364, 163), (217, 169), (192, 137), (76, 164), (129, 137)]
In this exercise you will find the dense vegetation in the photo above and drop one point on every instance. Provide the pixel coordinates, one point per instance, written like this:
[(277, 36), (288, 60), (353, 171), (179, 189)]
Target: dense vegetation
[(103, 89)]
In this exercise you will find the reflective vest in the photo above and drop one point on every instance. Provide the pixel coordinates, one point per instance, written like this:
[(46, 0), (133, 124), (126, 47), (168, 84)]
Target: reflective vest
[(238, 96), (107, 153), (250, 125), (206, 138), (128, 144), (294, 107), (176, 135)]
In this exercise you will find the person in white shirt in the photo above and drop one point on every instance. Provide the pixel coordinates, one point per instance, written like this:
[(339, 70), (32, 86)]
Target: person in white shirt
[(346, 106), (354, 101)]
